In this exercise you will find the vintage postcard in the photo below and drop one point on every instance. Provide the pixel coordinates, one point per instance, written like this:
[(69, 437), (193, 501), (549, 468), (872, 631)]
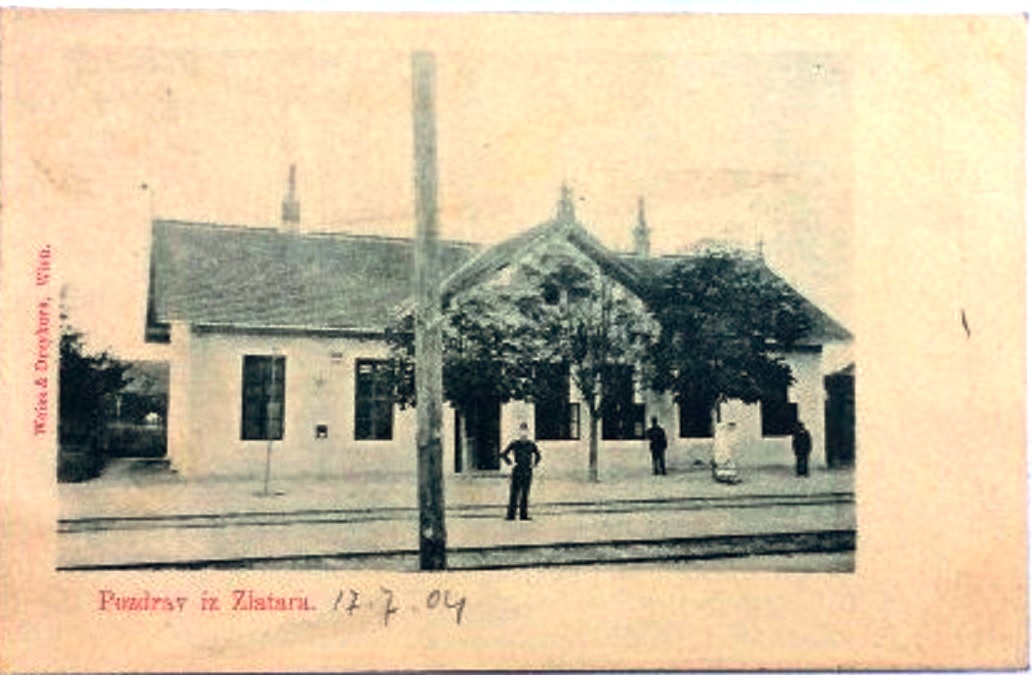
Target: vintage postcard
[(512, 341)]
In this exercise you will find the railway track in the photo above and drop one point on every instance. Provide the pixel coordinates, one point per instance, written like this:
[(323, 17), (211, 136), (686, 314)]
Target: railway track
[(553, 555), (344, 516)]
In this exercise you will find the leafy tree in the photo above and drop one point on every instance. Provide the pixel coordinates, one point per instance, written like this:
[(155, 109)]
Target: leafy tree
[(86, 383), (485, 346), (724, 317), (586, 320), (554, 309)]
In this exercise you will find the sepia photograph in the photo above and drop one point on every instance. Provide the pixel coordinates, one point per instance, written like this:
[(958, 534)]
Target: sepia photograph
[(423, 333), (356, 324)]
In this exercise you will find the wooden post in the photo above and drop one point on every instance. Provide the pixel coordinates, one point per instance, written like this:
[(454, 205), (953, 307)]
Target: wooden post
[(429, 388)]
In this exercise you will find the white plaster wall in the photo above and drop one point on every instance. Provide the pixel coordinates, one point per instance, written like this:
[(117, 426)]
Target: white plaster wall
[(320, 389), (205, 410), (622, 458), (751, 448), (808, 392), (179, 434), (682, 453)]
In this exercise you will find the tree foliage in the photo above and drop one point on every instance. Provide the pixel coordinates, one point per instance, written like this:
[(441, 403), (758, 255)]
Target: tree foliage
[(712, 329), (486, 345), (585, 320), (554, 308), (724, 319), (86, 382)]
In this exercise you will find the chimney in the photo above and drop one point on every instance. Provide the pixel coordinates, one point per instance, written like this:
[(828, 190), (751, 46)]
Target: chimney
[(291, 206), (641, 232), (565, 210)]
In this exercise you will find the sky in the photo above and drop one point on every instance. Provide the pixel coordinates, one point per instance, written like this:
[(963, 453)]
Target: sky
[(128, 118)]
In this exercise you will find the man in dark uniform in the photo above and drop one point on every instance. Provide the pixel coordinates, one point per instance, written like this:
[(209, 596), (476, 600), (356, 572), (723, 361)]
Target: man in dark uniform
[(801, 446), (657, 446), (527, 457)]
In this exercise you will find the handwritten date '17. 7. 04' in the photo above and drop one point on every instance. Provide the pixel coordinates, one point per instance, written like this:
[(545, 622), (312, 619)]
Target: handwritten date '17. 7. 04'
[(389, 605)]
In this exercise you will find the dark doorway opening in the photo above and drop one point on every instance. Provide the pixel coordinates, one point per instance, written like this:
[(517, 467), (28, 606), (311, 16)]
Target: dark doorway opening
[(840, 418), (483, 435), (622, 418)]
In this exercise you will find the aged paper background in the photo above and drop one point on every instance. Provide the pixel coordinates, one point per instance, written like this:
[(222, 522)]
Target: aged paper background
[(937, 133)]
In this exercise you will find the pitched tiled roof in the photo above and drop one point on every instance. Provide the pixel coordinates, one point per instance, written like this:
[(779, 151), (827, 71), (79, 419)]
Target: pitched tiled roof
[(261, 277), (245, 276), (640, 274), (825, 328)]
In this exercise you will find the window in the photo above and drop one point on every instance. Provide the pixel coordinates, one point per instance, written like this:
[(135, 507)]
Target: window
[(374, 401), (622, 418), (555, 418), (696, 417), (778, 414), (263, 390)]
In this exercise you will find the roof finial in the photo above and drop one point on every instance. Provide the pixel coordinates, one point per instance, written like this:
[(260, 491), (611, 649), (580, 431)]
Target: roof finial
[(565, 210), (759, 248), (291, 205), (641, 232)]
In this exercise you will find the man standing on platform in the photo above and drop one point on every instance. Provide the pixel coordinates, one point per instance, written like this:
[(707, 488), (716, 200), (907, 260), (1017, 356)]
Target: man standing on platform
[(801, 446), (527, 457), (657, 446)]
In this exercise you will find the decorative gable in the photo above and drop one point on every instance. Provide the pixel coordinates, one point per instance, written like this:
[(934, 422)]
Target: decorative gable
[(498, 264)]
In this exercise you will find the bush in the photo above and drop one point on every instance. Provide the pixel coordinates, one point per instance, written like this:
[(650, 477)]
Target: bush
[(135, 440), (78, 465)]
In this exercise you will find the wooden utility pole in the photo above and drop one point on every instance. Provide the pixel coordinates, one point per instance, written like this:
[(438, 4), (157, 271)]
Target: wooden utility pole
[(429, 388)]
